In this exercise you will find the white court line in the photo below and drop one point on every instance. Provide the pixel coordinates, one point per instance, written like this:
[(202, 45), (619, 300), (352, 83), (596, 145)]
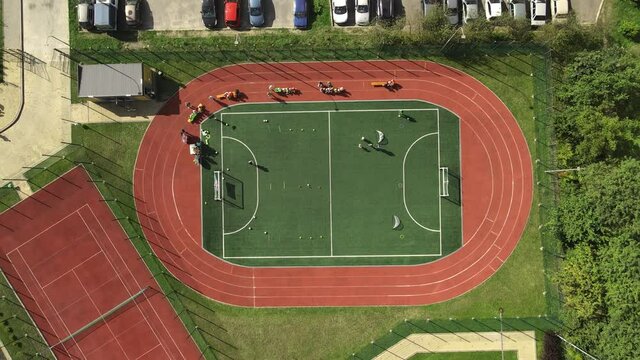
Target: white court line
[(52, 307), (330, 187), (439, 197), (104, 321), (321, 111), (136, 280), (222, 114), (70, 270), (47, 229), (27, 311), (404, 187), (330, 256), (255, 161), (222, 180), (120, 277)]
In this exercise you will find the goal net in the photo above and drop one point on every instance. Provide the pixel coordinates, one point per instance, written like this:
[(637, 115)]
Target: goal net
[(217, 194), (444, 181)]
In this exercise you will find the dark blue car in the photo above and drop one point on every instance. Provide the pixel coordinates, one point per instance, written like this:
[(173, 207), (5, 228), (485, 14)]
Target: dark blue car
[(300, 14)]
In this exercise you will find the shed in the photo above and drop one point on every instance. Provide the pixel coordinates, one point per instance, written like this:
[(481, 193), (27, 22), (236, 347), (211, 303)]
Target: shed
[(112, 82)]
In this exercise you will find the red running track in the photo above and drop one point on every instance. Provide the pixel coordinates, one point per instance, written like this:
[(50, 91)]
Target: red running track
[(70, 263), (496, 186)]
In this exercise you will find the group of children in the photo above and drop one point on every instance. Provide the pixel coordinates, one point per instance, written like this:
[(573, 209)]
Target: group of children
[(197, 146), (329, 89), (282, 91)]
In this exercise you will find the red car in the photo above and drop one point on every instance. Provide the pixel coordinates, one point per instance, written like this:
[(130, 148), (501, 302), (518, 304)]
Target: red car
[(232, 13)]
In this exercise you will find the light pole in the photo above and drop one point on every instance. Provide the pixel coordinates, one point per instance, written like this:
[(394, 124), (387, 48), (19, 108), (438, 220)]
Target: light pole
[(501, 341)]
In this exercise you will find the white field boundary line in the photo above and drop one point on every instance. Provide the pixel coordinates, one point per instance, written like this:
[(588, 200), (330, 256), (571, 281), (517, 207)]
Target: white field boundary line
[(133, 277), (404, 198), (255, 161), (439, 197), (330, 187), (222, 114), (331, 256), (322, 111), (222, 180)]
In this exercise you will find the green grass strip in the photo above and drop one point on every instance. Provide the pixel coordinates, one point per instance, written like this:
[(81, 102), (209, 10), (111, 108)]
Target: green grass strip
[(8, 196), (18, 333)]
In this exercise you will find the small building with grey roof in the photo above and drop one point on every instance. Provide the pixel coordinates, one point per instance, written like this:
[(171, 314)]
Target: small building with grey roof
[(114, 82)]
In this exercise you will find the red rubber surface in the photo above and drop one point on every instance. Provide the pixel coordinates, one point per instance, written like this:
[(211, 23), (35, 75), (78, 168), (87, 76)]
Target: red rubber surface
[(70, 263), (496, 187)]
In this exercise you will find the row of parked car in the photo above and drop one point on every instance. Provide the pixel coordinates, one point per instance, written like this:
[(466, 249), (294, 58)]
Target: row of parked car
[(102, 15), (538, 9), (232, 10)]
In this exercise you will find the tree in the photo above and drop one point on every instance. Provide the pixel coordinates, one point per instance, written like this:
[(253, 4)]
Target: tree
[(602, 296), (594, 136), (607, 80), (602, 203)]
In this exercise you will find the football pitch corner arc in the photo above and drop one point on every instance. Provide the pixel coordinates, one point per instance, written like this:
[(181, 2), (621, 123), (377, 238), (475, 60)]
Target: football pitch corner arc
[(494, 158), (389, 246)]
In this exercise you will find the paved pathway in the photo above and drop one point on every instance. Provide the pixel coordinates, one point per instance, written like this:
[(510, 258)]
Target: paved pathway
[(522, 342), (41, 127)]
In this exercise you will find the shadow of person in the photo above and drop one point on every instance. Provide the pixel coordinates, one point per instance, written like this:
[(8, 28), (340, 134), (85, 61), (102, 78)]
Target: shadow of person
[(384, 151)]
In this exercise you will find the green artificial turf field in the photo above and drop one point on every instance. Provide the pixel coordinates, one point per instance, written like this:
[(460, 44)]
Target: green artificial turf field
[(298, 190)]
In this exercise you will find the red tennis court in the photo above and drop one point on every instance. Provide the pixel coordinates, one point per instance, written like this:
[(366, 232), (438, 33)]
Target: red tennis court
[(71, 264)]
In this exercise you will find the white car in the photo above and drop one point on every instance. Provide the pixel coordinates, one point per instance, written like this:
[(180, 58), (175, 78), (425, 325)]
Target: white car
[(451, 9), (429, 5), (560, 10), (340, 13), (538, 12), (492, 8), (518, 9), (469, 10), (362, 12)]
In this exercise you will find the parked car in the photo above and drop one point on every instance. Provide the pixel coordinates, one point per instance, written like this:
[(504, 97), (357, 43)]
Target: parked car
[(256, 16), (362, 12), (300, 20), (208, 11), (492, 8), (340, 13), (105, 15), (385, 9), (469, 10), (85, 15), (132, 13), (451, 9), (560, 10), (429, 5), (538, 12), (232, 13), (518, 9)]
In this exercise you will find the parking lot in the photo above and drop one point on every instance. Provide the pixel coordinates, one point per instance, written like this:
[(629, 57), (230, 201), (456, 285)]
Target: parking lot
[(185, 14)]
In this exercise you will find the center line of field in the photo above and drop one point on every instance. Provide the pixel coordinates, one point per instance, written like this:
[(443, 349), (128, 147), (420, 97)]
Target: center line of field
[(330, 193)]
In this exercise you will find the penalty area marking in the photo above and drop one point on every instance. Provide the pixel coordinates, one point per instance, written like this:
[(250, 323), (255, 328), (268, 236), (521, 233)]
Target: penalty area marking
[(255, 211)]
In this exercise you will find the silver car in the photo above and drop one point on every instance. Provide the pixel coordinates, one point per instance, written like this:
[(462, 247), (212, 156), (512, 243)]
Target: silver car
[(256, 16), (518, 9)]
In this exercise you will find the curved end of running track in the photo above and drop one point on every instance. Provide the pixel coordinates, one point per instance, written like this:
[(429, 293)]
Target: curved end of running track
[(496, 186)]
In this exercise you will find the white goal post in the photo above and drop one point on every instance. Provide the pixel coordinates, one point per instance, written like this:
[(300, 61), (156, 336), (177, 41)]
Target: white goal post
[(444, 181), (217, 194)]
